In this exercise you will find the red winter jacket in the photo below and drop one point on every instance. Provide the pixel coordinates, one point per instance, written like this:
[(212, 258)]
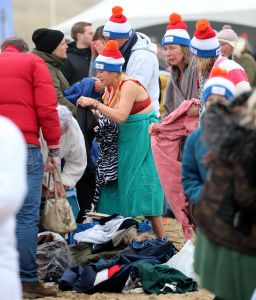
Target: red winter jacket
[(27, 96)]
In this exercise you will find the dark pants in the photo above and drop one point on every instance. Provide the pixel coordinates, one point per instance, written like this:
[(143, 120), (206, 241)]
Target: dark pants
[(85, 189), (86, 185)]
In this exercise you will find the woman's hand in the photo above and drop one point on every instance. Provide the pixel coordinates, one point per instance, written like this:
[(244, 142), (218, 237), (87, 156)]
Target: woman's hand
[(193, 111), (85, 101), (153, 128)]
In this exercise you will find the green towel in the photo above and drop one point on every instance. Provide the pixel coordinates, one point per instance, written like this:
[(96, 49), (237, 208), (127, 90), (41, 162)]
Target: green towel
[(161, 279), (138, 191)]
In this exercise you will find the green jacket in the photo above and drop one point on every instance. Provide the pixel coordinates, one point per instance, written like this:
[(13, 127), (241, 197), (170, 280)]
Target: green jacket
[(60, 83), (242, 54), (249, 65)]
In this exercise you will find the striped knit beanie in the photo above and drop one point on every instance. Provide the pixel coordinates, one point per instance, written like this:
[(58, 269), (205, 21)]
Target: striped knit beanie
[(117, 27), (204, 42), (176, 32), (110, 58), (219, 84)]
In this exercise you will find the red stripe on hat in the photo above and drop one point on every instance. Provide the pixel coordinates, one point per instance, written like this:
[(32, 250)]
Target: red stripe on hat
[(237, 75)]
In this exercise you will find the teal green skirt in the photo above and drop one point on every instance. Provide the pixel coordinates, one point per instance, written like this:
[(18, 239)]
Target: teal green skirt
[(227, 273), (138, 191)]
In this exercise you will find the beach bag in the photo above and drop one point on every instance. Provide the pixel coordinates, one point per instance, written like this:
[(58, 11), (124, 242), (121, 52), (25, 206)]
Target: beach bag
[(57, 215)]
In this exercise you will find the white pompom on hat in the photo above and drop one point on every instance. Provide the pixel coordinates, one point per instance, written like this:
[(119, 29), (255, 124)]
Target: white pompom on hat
[(204, 42), (176, 32), (117, 27)]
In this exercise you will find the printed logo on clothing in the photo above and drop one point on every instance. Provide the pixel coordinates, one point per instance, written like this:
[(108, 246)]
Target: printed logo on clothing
[(99, 66), (169, 38), (106, 34), (218, 90)]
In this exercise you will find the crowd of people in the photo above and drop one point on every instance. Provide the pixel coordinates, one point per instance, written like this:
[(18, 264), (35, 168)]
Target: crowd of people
[(91, 107)]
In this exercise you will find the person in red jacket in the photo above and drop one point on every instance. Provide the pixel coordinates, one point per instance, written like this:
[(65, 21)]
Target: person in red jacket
[(28, 98)]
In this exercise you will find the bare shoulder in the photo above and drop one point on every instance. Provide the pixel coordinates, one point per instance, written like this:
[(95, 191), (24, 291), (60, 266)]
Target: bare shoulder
[(130, 82)]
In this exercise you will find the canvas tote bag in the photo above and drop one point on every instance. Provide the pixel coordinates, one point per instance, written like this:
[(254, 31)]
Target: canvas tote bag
[(57, 214)]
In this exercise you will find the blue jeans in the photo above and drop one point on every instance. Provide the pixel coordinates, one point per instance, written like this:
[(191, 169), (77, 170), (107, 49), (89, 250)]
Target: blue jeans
[(28, 216)]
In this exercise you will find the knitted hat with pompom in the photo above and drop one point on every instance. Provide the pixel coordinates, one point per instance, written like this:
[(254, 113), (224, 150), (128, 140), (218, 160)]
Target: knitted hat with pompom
[(117, 27), (227, 35), (219, 84), (176, 32), (204, 42), (110, 58)]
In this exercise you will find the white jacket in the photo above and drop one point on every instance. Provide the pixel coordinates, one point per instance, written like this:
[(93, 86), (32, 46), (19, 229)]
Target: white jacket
[(72, 149), (13, 188), (143, 65)]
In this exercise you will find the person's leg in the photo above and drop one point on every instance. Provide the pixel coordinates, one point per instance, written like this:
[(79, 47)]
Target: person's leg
[(27, 228), (85, 189), (28, 218), (157, 224)]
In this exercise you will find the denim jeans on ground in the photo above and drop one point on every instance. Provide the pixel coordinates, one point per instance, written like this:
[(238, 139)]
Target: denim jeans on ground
[(28, 217)]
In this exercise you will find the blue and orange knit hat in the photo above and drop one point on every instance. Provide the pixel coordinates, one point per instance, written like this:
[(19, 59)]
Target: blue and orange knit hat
[(204, 42), (110, 58), (176, 32), (117, 27)]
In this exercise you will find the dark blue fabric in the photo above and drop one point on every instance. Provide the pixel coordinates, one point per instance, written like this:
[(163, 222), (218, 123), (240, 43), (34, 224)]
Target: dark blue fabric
[(69, 278), (84, 87), (95, 153), (84, 282), (193, 169), (147, 243)]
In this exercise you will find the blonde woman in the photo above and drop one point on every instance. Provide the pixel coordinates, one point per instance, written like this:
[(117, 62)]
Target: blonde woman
[(182, 83), (127, 181)]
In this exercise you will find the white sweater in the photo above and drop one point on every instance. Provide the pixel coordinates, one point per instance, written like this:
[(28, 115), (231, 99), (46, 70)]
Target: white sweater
[(143, 65), (72, 149), (13, 188)]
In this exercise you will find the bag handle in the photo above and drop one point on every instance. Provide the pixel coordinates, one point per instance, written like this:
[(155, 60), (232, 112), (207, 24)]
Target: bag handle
[(56, 177), (57, 172)]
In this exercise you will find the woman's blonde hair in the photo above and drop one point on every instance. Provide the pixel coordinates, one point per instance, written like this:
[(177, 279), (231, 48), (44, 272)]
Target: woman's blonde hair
[(205, 64), (186, 53)]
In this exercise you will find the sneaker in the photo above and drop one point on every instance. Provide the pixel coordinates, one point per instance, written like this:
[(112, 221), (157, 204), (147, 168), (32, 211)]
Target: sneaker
[(33, 290)]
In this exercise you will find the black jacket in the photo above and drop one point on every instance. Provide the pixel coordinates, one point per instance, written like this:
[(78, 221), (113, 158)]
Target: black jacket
[(77, 63)]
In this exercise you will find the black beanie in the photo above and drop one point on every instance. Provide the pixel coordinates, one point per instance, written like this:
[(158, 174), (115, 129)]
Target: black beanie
[(47, 40)]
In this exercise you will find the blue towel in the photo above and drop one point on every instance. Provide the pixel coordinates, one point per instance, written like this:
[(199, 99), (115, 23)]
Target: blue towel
[(84, 87)]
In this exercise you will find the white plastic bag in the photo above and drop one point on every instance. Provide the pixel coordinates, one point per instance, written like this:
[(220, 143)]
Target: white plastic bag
[(183, 261)]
